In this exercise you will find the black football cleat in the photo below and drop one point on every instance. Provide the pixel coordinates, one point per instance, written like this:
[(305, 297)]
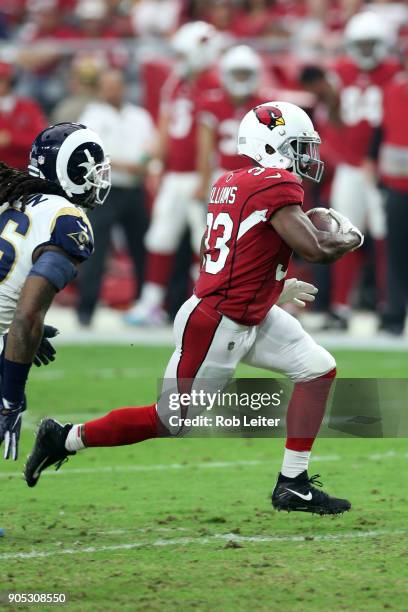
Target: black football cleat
[(301, 495), (49, 449)]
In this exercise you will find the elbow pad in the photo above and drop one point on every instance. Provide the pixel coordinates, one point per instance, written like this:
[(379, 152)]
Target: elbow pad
[(56, 268)]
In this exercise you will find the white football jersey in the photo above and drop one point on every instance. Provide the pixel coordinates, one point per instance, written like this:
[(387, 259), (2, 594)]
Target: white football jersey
[(46, 219)]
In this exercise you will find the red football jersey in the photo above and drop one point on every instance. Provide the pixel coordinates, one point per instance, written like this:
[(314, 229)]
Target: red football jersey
[(22, 119), (218, 110), (180, 100), (245, 259), (361, 106)]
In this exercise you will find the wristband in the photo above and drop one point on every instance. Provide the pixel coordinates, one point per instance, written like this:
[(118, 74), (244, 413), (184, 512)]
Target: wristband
[(14, 378)]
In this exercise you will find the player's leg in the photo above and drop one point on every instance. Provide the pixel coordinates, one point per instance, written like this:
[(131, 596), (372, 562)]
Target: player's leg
[(55, 442), (202, 338), (162, 239), (203, 351), (283, 346), (397, 257), (349, 198), (376, 222), (209, 347), (134, 220)]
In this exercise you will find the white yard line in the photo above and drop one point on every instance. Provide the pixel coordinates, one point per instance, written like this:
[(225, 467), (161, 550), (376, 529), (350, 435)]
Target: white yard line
[(99, 373), (111, 469), (163, 467), (186, 541)]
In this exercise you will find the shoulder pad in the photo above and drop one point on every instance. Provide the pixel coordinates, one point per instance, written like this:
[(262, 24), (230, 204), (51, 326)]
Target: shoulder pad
[(274, 189), (72, 232)]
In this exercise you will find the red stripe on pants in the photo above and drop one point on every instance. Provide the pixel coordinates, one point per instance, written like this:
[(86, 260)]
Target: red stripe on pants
[(198, 335)]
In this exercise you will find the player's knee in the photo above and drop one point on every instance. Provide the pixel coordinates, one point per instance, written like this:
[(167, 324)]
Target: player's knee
[(321, 363)]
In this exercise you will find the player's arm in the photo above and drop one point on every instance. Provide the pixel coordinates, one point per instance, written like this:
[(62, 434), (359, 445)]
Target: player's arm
[(157, 162), (162, 141), (52, 269), (205, 165), (313, 245), (138, 170), (203, 248)]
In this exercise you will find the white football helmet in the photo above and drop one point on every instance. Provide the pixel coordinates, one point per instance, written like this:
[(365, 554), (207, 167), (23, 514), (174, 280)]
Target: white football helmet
[(240, 69), (196, 44), (368, 39), (281, 135), (73, 157)]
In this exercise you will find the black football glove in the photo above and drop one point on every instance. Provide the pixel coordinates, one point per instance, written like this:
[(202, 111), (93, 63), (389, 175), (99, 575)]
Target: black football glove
[(10, 429), (46, 352)]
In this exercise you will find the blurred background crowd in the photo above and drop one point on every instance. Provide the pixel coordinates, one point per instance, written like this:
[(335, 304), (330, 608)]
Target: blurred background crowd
[(166, 82)]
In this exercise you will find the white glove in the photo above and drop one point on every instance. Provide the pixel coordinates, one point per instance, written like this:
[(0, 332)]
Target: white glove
[(346, 226), (297, 292)]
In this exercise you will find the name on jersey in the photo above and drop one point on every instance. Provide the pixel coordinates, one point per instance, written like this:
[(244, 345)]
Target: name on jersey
[(223, 195)]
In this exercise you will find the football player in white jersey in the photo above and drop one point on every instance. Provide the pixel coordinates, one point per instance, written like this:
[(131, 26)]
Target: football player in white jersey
[(44, 236)]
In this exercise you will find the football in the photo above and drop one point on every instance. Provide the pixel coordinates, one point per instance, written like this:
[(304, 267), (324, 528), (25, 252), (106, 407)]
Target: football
[(323, 220)]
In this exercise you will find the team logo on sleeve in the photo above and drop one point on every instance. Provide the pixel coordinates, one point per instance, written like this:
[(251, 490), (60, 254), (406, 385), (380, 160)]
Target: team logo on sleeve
[(81, 238), (269, 116)]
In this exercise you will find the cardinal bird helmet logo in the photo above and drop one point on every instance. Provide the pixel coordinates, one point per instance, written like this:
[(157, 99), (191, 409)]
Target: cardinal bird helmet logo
[(269, 116)]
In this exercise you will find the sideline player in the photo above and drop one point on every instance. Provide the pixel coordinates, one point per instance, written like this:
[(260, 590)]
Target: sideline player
[(356, 110), (254, 223), (220, 114), (44, 236), (175, 207)]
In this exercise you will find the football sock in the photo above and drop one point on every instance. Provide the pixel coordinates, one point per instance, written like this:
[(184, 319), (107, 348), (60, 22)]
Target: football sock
[(122, 426), (159, 268), (345, 275), (74, 441), (294, 462), (305, 414)]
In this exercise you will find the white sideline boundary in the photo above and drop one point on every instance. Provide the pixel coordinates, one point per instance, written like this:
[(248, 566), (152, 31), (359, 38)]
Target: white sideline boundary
[(186, 541), (164, 338), (109, 329), (164, 467)]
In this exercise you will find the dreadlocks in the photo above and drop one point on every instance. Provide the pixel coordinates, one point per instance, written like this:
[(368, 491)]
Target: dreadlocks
[(18, 185)]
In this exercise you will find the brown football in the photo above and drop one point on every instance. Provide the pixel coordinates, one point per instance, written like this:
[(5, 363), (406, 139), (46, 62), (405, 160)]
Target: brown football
[(322, 220)]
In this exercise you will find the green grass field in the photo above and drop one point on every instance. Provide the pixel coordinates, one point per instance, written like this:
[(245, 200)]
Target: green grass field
[(187, 524)]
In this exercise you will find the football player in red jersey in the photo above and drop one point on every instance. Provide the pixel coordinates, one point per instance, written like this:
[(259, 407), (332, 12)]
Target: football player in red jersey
[(254, 223), (220, 114), (175, 207), (362, 76)]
